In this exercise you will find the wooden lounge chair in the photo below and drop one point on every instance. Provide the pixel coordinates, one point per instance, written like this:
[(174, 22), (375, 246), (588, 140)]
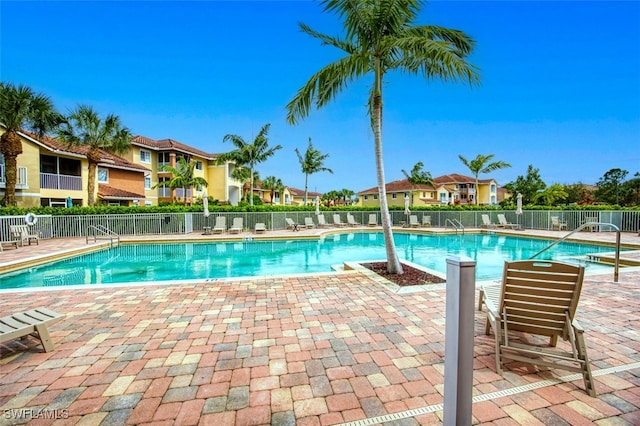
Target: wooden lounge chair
[(34, 322), (486, 222), (557, 225), (426, 221), (22, 234), (236, 226), (14, 243), (291, 224), (337, 221), (538, 298), (413, 221), (260, 228), (308, 223), (220, 225), (373, 220), (351, 221), (322, 223), (502, 221)]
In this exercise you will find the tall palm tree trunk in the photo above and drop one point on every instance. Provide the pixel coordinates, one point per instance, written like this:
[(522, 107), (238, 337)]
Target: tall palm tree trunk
[(91, 184), (93, 156), (11, 148), (251, 188), (306, 182), (393, 263)]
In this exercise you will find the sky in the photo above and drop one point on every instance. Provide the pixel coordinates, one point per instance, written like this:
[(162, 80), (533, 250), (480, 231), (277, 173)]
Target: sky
[(559, 90)]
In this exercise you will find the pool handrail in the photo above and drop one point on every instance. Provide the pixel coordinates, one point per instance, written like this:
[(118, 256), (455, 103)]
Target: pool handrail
[(103, 230), (455, 224), (583, 226)]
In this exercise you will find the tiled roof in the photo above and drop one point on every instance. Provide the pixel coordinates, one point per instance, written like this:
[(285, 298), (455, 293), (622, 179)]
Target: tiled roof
[(170, 144), (300, 192), (447, 181), (108, 160), (106, 191), (397, 186)]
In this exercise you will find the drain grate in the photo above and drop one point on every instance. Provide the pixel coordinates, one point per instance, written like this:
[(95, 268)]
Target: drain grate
[(488, 396)]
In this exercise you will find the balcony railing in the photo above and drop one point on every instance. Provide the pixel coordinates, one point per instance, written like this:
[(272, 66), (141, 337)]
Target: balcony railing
[(56, 181), (21, 178)]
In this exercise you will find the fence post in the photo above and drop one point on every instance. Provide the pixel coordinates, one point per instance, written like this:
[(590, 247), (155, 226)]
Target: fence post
[(458, 343)]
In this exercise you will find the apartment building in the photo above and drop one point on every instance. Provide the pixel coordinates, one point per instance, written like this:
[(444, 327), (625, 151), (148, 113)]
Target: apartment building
[(50, 173), (447, 189)]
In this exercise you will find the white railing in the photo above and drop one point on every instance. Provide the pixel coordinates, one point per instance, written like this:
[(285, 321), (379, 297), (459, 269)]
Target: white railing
[(56, 181), (21, 177), (49, 226)]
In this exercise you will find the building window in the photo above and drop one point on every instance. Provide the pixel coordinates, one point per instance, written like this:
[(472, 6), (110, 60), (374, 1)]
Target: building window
[(145, 156), (103, 175), (164, 158), (493, 188), (375, 197), (147, 182), (198, 165), (394, 196), (366, 197)]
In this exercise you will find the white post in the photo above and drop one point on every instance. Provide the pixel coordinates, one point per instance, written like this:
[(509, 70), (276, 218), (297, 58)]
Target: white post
[(458, 342)]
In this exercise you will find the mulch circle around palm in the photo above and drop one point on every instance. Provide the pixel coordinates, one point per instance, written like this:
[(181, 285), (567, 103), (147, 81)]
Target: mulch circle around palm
[(411, 275)]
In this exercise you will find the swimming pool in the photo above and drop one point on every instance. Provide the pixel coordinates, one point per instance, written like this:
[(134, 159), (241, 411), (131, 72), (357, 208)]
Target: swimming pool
[(203, 260)]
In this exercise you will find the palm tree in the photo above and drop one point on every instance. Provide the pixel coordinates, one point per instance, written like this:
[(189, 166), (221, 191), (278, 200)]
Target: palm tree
[(380, 38), (243, 175), (21, 108), (482, 164), (247, 154), (85, 128), (182, 177), (551, 195), (347, 194), (418, 177), (312, 162), (272, 184)]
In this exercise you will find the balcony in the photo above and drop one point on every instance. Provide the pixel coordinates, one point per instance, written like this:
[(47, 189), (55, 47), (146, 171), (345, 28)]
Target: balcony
[(57, 181), (21, 178)]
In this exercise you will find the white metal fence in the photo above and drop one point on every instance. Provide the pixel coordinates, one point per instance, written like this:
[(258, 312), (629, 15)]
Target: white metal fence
[(184, 223)]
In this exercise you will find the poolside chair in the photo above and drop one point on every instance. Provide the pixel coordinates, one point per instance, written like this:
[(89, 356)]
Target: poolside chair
[(486, 222), (308, 223), (220, 225), (21, 233), (538, 298), (322, 223), (502, 221), (373, 220), (351, 221), (337, 221), (260, 228), (426, 221), (591, 228), (557, 225), (413, 221), (236, 226), (11, 242), (291, 224), (34, 322)]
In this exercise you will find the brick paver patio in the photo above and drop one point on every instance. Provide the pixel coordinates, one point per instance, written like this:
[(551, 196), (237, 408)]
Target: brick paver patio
[(318, 349)]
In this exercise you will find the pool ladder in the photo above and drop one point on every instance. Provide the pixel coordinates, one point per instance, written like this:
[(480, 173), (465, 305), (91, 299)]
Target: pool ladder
[(587, 225), (99, 232), (455, 224)]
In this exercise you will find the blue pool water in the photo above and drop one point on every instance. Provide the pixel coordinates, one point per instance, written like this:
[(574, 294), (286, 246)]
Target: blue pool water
[(201, 260)]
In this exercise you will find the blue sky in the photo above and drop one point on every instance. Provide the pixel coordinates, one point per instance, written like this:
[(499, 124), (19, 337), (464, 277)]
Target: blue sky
[(560, 83)]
